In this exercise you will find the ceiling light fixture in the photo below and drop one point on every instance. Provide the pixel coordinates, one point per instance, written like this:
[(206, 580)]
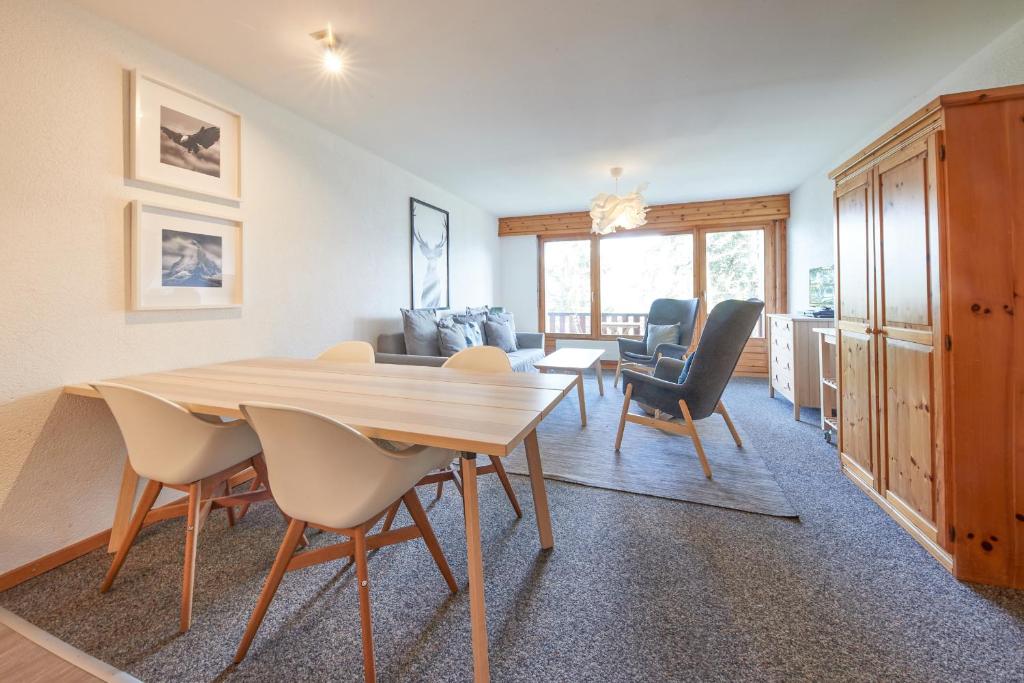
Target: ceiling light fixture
[(328, 40), (610, 211)]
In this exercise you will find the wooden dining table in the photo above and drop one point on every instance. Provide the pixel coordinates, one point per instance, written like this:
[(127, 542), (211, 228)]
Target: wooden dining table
[(465, 411)]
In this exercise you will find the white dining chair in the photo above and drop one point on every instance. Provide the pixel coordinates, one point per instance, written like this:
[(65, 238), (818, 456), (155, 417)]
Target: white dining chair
[(175, 449), (350, 352), (483, 359), (328, 476), (480, 359)]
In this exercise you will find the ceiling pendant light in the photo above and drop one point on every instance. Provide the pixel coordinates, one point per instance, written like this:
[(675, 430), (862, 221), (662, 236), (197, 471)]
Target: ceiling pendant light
[(328, 40), (610, 211)]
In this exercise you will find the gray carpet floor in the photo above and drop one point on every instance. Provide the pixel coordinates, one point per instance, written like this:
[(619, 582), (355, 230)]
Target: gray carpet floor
[(654, 462), (637, 589)]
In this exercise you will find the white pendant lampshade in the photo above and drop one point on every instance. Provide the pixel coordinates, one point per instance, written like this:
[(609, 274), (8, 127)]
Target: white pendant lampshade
[(610, 211)]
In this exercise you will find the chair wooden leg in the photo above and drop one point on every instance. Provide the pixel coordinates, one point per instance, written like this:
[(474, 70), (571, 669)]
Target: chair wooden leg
[(284, 555), (720, 409), (149, 495), (696, 439), (188, 574), (440, 490), (499, 469), (390, 519), (415, 508), (622, 417), (365, 616), (230, 509), (254, 486)]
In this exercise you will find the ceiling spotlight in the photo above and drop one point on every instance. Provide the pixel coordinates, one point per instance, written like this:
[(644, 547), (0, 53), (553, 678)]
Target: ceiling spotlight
[(330, 45)]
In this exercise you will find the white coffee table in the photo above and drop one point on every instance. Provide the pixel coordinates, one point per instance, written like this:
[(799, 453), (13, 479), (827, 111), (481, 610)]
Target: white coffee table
[(575, 361)]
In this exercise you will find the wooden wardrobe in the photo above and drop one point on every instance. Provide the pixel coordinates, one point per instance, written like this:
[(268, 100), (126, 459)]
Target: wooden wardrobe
[(929, 237)]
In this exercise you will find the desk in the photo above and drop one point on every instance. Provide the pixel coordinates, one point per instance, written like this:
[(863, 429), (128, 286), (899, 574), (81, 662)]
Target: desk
[(469, 412)]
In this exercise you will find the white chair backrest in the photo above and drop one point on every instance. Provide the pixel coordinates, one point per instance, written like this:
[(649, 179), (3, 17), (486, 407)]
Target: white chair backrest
[(166, 442), (480, 359), (324, 472), (350, 352)]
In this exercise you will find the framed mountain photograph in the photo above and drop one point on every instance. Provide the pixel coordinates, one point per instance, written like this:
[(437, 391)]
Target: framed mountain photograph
[(429, 249), (182, 259), (181, 141)]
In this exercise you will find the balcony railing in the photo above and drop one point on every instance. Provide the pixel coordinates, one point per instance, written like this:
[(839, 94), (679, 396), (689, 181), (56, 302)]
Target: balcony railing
[(612, 324)]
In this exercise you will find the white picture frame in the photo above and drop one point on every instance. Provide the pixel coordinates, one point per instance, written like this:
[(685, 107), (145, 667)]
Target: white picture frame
[(171, 143), (181, 259)]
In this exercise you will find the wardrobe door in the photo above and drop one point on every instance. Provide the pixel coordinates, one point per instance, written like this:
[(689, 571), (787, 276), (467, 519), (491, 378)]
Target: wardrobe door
[(908, 373), (854, 327)]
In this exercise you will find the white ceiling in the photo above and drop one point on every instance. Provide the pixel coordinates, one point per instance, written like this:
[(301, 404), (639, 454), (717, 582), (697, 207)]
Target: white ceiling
[(521, 106)]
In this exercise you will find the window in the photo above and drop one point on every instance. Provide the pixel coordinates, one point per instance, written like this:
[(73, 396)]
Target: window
[(734, 268), (566, 282), (636, 270)]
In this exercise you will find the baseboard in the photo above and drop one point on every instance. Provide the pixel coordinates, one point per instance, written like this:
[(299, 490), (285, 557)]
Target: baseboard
[(55, 559), (933, 548), (32, 569)]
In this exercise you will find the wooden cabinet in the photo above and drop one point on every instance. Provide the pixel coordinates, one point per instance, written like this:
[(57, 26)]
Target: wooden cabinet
[(793, 359), (930, 366)]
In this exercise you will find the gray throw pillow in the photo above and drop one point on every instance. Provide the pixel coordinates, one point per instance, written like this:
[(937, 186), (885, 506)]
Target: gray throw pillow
[(451, 336), (502, 319), (420, 327), (661, 334), (500, 335)]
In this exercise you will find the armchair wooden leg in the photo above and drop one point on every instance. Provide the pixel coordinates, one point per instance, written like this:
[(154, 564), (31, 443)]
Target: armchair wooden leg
[(499, 469), (188, 574), (696, 439), (284, 555), (365, 616), (415, 508), (149, 495), (720, 409), (622, 417), (618, 372)]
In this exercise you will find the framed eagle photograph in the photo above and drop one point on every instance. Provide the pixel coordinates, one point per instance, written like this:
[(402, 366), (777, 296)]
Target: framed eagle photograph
[(184, 142)]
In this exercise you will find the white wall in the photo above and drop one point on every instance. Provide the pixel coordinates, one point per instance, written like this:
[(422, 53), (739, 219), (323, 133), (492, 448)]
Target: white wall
[(999, 63), (326, 257), (519, 282)]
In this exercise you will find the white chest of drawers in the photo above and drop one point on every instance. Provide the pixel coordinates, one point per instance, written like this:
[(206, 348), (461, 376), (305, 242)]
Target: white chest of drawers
[(793, 359)]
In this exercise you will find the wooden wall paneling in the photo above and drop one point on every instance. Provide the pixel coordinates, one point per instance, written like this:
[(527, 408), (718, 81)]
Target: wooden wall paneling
[(985, 141)]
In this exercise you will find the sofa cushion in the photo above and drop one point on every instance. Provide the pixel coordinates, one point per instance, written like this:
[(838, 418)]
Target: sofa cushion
[(523, 359), (474, 328), (420, 328), (500, 335), (451, 336), (505, 342)]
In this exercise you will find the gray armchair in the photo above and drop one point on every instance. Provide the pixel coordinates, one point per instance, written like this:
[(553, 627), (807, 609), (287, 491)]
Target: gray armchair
[(681, 312), (692, 390)]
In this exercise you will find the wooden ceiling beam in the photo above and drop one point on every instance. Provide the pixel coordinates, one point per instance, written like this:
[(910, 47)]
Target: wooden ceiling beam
[(662, 217)]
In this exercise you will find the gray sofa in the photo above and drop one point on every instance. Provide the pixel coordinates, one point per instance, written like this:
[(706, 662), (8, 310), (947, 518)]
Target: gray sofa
[(391, 349)]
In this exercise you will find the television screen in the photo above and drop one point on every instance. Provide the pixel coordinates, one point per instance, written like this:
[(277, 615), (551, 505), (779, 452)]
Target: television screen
[(823, 287)]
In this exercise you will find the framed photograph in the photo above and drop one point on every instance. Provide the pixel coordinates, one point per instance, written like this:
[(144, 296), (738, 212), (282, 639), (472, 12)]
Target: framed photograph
[(181, 141), (429, 249), (184, 260)]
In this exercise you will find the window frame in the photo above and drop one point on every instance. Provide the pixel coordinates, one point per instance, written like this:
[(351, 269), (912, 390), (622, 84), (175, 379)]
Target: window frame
[(699, 276)]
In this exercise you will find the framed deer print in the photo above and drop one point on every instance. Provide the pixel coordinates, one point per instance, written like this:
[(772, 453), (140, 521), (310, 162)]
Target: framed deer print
[(429, 251), (181, 141)]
